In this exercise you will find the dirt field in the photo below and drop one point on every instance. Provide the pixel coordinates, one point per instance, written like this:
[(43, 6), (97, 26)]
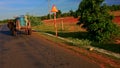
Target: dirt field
[(117, 20), (72, 20), (65, 20)]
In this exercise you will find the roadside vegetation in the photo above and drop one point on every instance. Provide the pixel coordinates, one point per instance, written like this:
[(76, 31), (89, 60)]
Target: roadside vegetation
[(3, 21), (97, 21), (35, 21), (95, 26)]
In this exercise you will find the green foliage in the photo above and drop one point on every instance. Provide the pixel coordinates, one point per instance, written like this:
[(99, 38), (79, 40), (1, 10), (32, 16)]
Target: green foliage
[(48, 16), (35, 21), (96, 19), (4, 21), (58, 14), (114, 7), (110, 46), (76, 14), (65, 14), (44, 17), (71, 13)]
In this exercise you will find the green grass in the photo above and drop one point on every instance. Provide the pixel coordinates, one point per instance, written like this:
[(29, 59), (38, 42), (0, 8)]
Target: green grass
[(108, 46), (79, 37)]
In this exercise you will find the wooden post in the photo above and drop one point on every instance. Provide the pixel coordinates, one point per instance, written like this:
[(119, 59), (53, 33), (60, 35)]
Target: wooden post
[(54, 10), (62, 24), (55, 25)]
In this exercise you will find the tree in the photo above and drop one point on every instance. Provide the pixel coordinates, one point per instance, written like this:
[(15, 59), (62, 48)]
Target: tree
[(76, 14), (58, 14), (48, 16), (96, 20), (114, 7), (35, 21), (65, 14), (71, 13)]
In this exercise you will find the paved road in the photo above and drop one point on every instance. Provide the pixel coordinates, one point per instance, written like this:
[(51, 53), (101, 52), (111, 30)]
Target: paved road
[(25, 51)]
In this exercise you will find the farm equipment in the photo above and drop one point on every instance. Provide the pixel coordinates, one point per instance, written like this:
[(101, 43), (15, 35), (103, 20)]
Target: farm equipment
[(20, 24)]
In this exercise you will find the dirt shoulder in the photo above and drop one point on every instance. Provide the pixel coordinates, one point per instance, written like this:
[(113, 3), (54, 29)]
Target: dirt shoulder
[(103, 60)]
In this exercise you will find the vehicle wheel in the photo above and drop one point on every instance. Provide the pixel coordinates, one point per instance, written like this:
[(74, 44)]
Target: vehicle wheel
[(29, 31), (14, 33)]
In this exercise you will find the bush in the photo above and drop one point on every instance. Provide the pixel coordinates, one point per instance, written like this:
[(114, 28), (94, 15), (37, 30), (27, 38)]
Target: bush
[(96, 19)]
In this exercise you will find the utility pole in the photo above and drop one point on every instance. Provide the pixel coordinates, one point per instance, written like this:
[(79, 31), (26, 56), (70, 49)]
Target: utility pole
[(49, 9)]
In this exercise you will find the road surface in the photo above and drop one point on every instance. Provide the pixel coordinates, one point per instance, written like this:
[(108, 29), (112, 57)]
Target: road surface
[(23, 51)]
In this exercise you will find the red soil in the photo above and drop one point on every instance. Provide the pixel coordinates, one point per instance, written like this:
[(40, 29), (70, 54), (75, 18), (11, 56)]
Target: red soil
[(117, 20), (75, 20), (65, 19), (103, 60)]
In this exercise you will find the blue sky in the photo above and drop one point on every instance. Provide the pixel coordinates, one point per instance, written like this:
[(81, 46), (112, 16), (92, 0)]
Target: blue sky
[(11, 8)]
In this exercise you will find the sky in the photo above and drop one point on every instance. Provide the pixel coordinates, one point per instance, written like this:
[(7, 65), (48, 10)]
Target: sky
[(11, 8)]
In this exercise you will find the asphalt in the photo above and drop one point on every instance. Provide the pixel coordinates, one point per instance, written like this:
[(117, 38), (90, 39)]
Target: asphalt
[(33, 51)]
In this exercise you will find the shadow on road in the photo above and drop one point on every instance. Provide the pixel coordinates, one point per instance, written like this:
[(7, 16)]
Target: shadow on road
[(6, 33)]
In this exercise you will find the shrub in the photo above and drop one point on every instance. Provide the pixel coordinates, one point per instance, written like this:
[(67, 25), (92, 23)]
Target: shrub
[(96, 19)]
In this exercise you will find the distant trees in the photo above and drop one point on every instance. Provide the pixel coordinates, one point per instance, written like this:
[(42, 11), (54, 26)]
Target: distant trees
[(111, 8), (74, 13), (4, 21), (71, 13), (97, 20), (34, 20), (59, 14), (114, 7)]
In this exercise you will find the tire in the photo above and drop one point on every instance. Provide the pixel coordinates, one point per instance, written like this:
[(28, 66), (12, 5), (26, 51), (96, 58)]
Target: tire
[(29, 32), (14, 32)]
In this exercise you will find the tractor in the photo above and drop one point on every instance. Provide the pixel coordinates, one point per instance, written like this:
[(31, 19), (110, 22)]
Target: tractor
[(20, 24)]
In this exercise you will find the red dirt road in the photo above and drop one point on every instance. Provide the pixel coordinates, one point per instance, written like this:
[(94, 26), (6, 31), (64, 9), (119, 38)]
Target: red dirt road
[(36, 52)]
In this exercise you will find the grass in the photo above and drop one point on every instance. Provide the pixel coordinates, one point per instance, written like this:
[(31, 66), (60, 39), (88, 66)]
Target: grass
[(77, 35), (108, 46), (2, 23)]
